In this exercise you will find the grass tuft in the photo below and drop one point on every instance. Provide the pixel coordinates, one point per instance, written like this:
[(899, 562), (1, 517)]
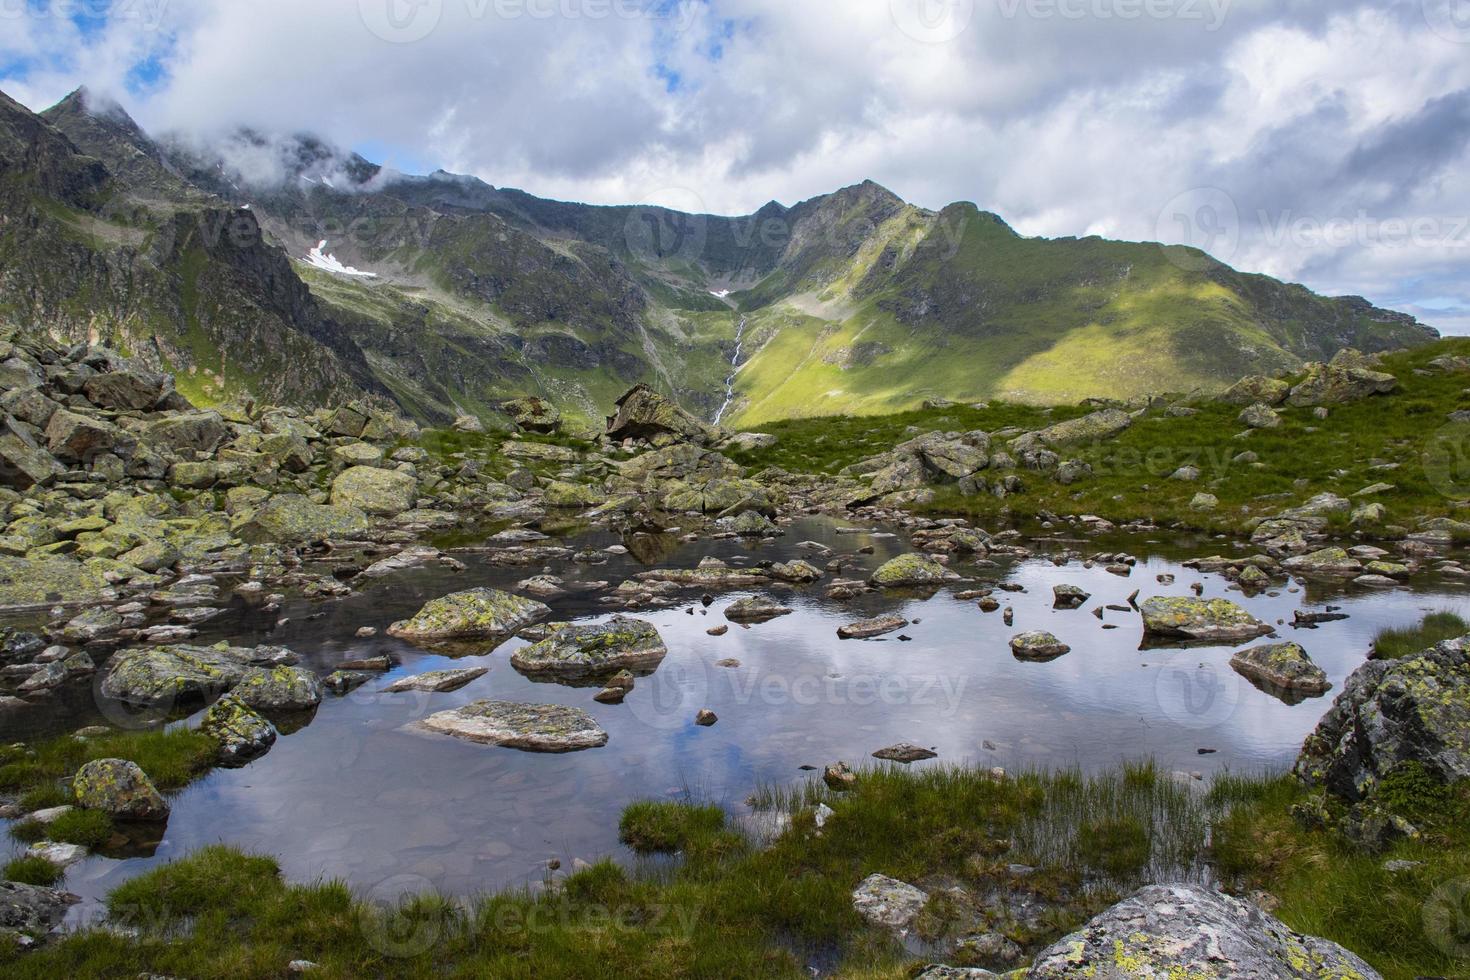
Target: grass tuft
[(1395, 643), (33, 871)]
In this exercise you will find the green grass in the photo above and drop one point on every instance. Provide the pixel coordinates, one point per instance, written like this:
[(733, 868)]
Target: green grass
[(89, 828), (171, 758), (739, 910), (1394, 643), (1407, 432), (32, 871)]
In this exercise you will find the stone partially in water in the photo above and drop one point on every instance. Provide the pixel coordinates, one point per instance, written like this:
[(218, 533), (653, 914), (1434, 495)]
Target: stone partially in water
[(471, 614), (1068, 597), (866, 628), (1189, 931), (437, 681), (1038, 645), (1214, 620), (909, 570), (33, 581), (905, 752), (1391, 712), (755, 609), (291, 518), (1285, 666), (531, 727), (166, 674), (119, 789), (575, 652), (242, 734), (799, 571), (31, 911), (279, 689)]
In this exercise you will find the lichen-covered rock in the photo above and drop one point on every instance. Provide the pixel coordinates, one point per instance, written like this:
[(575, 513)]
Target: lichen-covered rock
[(558, 493), (37, 580), (1285, 666), (80, 438), (574, 652), (471, 614), (189, 432), (531, 727), (291, 518), (31, 911), (888, 903), (119, 789), (166, 674), (1259, 416), (1338, 383), (1391, 712), (375, 491), (755, 609), (1256, 389), (437, 681), (1069, 597), (905, 752), (1038, 645), (1327, 561), (532, 414), (799, 572), (279, 689), (867, 628), (909, 570), (1089, 428), (23, 464), (645, 414), (1214, 620), (126, 390), (1185, 931), (243, 735), (711, 572)]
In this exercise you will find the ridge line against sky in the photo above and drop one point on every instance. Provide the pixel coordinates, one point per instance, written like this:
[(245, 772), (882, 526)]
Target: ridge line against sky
[(1320, 141)]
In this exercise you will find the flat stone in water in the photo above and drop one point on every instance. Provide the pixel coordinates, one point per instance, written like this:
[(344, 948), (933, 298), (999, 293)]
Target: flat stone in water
[(437, 681), (574, 652), (470, 614), (1217, 620), (905, 752), (1038, 645), (755, 609), (866, 628), (1284, 666), (531, 727)]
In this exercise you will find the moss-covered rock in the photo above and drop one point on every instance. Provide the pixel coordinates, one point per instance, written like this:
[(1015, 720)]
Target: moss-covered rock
[(168, 674), (279, 688), (1038, 645), (37, 580), (375, 491), (1256, 389), (1284, 666), (471, 614), (558, 493), (581, 652), (531, 727), (909, 570), (291, 518), (1193, 933), (1185, 618), (242, 733), (119, 789)]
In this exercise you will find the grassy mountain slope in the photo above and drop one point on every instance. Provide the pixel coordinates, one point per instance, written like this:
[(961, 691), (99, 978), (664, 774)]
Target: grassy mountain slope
[(854, 302)]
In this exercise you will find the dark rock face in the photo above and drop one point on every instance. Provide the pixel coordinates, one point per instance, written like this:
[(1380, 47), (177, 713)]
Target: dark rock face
[(1392, 712), (29, 912), (645, 414)]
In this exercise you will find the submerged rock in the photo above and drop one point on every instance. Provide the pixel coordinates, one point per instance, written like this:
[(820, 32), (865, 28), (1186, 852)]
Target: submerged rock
[(437, 681), (574, 652), (470, 614), (531, 727), (1216, 620), (1391, 712), (909, 570), (242, 734), (1188, 931), (1282, 665), (755, 609), (119, 789)]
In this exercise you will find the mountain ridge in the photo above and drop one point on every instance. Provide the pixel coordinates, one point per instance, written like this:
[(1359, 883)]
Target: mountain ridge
[(854, 301)]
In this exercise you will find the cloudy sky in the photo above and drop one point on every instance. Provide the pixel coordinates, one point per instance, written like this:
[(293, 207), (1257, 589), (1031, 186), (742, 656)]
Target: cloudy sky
[(1323, 141)]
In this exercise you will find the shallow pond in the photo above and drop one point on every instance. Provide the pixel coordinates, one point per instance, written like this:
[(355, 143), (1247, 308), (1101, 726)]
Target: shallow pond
[(359, 794)]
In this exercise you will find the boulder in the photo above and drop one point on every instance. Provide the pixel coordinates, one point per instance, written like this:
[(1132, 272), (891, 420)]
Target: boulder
[(1203, 620), (865, 628), (798, 572), (1069, 597), (1284, 666), (167, 674), (1190, 931), (749, 442), (575, 652), (1038, 645), (1339, 383), (1327, 561), (1259, 416), (531, 727), (1256, 390), (888, 903), (291, 518), (532, 414), (558, 493), (642, 413), (38, 580), (471, 614), (279, 688), (437, 681), (375, 491), (31, 911), (905, 752), (1089, 428), (1391, 712), (80, 438), (909, 570), (119, 789), (24, 464), (126, 390), (243, 735)]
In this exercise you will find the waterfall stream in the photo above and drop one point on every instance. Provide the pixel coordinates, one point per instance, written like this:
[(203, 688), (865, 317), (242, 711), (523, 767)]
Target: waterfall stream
[(734, 370)]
